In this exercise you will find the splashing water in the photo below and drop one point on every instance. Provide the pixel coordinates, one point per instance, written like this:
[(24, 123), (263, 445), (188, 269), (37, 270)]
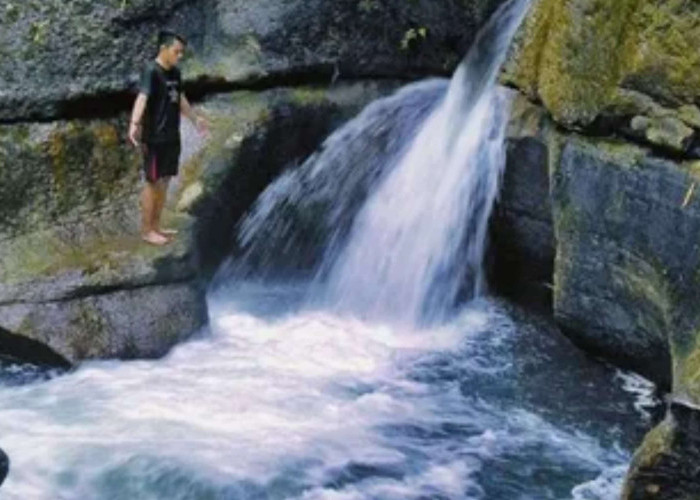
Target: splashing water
[(420, 238), (312, 406)]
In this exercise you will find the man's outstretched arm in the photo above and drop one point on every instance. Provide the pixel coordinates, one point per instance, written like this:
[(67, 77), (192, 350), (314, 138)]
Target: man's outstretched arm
[(136, 116), (198, 121)]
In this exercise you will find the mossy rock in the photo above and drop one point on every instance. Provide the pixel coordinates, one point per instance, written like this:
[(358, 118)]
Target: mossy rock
[(665, 466), (63, 170), (74, 273), (580, 57)]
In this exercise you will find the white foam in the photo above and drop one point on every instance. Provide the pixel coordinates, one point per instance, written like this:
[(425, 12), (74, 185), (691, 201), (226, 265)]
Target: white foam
[(644, 391)]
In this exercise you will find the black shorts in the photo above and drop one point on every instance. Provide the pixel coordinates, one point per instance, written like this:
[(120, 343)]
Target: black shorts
[(160, 160)]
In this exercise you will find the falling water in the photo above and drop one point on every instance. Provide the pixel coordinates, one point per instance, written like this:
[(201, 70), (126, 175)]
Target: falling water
[(419, 240)]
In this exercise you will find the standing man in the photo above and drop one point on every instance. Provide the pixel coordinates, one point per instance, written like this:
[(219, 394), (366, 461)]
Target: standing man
[(155, 125)]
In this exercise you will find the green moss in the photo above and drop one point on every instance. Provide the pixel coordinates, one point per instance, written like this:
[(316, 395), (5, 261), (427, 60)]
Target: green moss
[(665, 60), (621, 153), (305, 96), (686, 366), (690, 114), (667, 131), (527, 119), (90, 331), (102, 258), (62, 169), (656, 444), (56, 148), (576, 55)]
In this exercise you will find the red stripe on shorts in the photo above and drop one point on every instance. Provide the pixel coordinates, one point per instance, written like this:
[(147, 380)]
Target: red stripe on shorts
[(153, 168)]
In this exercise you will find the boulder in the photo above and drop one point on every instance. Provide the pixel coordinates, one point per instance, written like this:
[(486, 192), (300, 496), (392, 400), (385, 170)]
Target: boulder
[(4, 466), (583, 59), (74, 274), (626, 255), (80, 58), (626, 238)]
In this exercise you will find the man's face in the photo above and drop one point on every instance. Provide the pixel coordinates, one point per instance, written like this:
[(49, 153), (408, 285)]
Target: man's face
[(174, 52)]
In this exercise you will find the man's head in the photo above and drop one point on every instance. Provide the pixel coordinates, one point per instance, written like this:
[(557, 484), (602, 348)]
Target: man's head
[(171, 47)]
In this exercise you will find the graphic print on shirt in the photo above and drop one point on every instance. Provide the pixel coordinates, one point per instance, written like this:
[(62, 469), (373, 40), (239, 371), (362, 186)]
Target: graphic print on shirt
[(173, 91)]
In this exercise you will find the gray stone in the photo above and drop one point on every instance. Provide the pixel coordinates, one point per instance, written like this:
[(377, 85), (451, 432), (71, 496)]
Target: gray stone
[(522, 230), (4, 466), (68, 58), (129, 323), (627, 251)]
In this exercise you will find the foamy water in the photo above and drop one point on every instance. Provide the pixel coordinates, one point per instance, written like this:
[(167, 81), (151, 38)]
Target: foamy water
[(302, 404)]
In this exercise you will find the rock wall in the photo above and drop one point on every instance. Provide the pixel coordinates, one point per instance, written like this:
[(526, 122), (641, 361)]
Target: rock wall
[(613, 92), (628, 66), (79, 58)]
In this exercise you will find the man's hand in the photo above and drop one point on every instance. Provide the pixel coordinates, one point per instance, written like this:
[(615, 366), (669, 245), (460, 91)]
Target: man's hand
[(136, 116), (135, 133), (202, 125)]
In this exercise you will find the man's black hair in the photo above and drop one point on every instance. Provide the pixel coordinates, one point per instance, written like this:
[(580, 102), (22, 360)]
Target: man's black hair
[(167, 38)]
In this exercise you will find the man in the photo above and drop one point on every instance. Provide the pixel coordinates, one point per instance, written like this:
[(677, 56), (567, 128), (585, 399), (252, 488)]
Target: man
[(155, 124)]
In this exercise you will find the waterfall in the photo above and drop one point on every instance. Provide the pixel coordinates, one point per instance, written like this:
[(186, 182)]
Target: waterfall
[(303, 218), (418, 242), (391, 214)]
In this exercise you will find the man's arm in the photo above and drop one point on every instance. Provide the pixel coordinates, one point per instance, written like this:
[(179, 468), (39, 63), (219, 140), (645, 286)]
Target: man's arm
[(198, 121), (136, 116)]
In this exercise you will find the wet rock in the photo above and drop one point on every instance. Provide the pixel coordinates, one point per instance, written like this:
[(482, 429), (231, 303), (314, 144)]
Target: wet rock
[(522, 247), (4, 466), (627, 253), (666, 466), (620, 227)]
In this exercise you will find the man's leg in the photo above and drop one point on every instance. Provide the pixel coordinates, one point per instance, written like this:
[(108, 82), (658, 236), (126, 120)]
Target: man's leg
[(170, 156), (149, 209), (162, 194)]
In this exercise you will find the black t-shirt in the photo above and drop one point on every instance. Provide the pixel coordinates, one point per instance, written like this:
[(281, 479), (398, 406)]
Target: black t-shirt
[(161, 121)]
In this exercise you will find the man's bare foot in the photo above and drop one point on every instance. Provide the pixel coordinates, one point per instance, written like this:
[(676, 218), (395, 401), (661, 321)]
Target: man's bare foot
[(155, 238)]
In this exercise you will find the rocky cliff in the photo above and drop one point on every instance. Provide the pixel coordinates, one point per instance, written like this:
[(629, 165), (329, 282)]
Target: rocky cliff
[(608, 120)]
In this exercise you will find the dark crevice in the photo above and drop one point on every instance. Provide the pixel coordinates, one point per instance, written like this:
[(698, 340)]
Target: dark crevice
[(112, 103), (27, 350), (96, 291)]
